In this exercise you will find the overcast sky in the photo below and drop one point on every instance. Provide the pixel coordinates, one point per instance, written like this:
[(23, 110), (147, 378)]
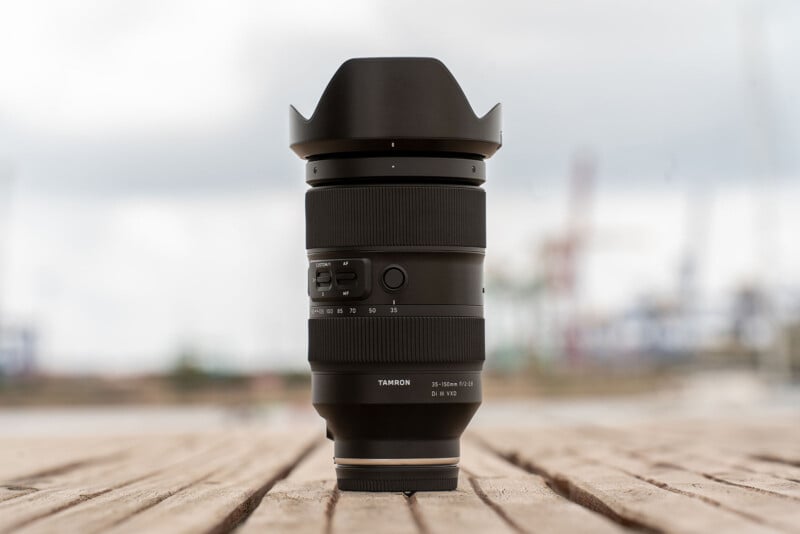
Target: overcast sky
[(154, 202)]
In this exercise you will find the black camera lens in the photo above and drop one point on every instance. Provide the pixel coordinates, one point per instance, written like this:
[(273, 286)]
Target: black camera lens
[(396, 235)]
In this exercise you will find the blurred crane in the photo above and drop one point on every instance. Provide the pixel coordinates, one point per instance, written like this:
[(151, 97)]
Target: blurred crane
[(561, 257)]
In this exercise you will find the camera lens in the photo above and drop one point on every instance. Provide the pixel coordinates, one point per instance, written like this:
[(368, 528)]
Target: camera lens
[(396, 235)]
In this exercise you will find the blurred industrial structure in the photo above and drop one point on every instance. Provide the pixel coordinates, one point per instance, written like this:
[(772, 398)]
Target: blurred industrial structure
[(18, 346), (541, 320), (541, 317), (18, 343)]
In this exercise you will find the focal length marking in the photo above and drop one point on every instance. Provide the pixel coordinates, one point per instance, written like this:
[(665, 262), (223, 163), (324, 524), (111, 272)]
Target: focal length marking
[(396, 310)]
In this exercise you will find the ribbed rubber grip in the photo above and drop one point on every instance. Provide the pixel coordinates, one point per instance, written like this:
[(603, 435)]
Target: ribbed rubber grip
[(396, 215), (396, 340)]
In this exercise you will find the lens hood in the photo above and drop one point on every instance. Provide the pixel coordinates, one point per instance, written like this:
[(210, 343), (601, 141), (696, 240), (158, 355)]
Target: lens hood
[(380, 106)]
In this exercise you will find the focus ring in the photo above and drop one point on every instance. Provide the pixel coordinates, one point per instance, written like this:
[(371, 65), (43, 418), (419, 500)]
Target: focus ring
[(396, 215), (396, 340)]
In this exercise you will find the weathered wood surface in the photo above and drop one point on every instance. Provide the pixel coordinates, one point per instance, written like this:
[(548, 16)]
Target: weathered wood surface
[(679, 476)]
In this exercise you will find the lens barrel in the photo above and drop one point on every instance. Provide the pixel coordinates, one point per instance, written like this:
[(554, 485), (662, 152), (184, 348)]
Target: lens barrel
[(396, 235)]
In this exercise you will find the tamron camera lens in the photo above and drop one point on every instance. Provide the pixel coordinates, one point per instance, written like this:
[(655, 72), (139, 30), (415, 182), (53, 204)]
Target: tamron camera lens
[(396, 234)]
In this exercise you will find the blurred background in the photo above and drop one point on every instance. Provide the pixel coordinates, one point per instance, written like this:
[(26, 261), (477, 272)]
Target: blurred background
[(643, 212)]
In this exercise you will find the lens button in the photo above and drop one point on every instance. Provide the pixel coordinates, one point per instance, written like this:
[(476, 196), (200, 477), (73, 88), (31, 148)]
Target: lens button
[(394, 278)]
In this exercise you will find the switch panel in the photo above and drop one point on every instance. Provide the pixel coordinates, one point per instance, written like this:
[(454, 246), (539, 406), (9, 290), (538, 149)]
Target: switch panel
[(332, 280)]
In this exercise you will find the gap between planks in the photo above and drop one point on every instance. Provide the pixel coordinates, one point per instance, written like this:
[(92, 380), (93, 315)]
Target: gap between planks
[(240, 514), (63, 499), (492, 496), (581, 467)]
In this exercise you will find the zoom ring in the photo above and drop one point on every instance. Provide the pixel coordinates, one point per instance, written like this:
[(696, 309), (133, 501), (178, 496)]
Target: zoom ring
[(396, 215), (396, 340)]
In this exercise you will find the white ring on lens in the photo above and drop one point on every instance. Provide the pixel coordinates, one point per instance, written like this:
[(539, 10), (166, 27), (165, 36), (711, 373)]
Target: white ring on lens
[(396, 461)]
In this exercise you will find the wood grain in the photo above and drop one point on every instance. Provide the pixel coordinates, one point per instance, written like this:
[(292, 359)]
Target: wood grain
[(630, 495), (58, 491), (670, 476), (525, 499), (301, 503)]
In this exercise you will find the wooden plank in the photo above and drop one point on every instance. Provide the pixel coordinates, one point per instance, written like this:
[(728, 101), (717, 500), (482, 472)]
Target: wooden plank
[(654, 477), (778, 440), (307, 500), (756, 506), (671, 462), (58, 491), (459, 511), (716, 466), (758, 459), (756, 465), (22, 458), (218, 496), (388, 513), (615, 493), (355, 511), (13, 491), (703, 458), (715, 461), (722, 453), (301, 503), (525, 500)]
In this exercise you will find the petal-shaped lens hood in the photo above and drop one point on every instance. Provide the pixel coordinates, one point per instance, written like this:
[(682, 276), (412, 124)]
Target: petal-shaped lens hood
[(391, 105)]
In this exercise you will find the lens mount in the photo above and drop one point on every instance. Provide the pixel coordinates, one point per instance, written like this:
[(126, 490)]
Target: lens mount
[(397, 478)]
